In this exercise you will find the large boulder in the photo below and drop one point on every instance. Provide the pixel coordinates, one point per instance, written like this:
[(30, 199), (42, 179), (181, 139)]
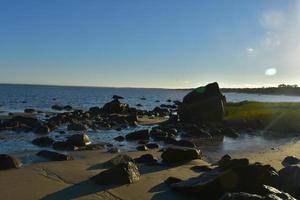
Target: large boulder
[(202, 104), (289, 180), (176, 154), (215, 183), (122, 158), (9, 162), (124, 173), (43, 141), (115, 106)]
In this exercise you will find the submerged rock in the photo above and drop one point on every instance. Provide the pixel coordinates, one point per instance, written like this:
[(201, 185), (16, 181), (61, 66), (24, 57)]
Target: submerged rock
[(175, 155), (202, 104), (43, 141), (123, 173), (9, 162), (54, 156)]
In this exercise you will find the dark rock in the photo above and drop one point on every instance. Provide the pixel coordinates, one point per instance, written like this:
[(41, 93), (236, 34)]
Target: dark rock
[(119, 138), (272, 193), (62, 145), (233, 163), (42, 130), (290, 160), (138, 135), (202, 104), (43, 141), (76, 127), (146, 158), (142, 148), (289, 180), (175, 155), (29, 110), (214, 184), (68, 107), (171, 180), (122, 158), (27, 120), (79, 140), (92, 147), (54, 156), (57, 107), (9, 162), (202, 168), (139, 105), (185, 143), (152, 146), (115, 106), (124, 173), (117, 97), (114, 150), (95, 111)]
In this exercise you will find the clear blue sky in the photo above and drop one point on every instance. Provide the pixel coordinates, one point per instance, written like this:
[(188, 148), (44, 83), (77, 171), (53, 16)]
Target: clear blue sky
[(150, 43)]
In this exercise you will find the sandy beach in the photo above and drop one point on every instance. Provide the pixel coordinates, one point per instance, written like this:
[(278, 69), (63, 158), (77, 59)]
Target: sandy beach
[(70, 179)]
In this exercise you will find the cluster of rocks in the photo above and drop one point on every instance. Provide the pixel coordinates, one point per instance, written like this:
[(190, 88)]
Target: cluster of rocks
[(238, 179)]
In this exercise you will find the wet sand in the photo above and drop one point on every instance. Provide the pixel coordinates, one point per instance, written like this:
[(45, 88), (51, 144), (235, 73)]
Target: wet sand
[(70, 179)]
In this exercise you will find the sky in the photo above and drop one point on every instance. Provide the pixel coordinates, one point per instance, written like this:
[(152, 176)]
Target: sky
[(150, 43)]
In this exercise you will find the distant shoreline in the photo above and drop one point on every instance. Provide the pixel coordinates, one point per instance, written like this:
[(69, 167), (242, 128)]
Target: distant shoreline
[(286, 91)]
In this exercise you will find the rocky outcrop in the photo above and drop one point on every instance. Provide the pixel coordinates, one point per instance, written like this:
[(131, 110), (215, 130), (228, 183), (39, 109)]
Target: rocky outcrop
[(289, 180), (123, 173), (115, 106), (202, 104), (176, 154), (9, 162)]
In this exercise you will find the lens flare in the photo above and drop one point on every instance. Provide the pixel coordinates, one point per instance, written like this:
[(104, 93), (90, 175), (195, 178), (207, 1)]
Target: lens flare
[(271, 72)]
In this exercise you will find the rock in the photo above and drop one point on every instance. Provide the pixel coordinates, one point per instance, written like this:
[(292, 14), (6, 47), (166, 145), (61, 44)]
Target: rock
[(152, 146), (185, 143), (122, 158), (43, 141), (54, 156), (92, 147), (119, 138), (139, 105), (214, 184), (114, 150), (79, 140), (142, 148), (138, 135), (175, 155), (63, 145), (117, 97), (27, 120), (123, 173), (115, 106), (95, 111), (29, 110), (171, 180), (76, 127), (232, 163), (290, 160), (42, 130), (146, 158), (273, 193), (289, 180), (9, 162), (68, 107), (202, 168), (202, 104), (57, 107)]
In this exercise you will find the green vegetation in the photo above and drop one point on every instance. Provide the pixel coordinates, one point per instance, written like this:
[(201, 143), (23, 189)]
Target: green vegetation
[(275, 116)]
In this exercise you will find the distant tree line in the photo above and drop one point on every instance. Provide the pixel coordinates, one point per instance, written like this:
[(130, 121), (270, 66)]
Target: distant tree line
[(282, 89)]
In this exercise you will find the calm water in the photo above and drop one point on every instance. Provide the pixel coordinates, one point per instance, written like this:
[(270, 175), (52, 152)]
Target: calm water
[(19, 97)]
